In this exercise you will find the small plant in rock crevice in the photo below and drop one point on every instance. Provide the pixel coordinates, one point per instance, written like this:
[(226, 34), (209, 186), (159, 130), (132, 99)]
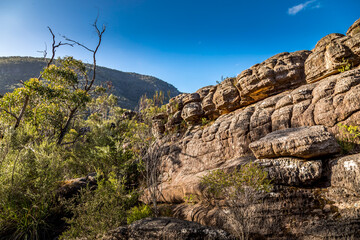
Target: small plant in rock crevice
[(239, 189), (350, 137), (345, 65)]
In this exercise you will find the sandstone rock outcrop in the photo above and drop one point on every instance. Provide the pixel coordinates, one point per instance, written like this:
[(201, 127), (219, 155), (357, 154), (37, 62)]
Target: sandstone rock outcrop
[(281, 72), (226, 96), (292, 171), (331, 53), (287, 110), (354, 29), (165, 228), (302, 142)]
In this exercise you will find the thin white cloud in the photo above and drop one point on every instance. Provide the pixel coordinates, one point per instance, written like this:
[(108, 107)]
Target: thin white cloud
[(295, 9)]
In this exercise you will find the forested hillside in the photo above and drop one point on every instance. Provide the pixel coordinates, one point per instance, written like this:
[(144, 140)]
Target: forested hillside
[(128, 87)]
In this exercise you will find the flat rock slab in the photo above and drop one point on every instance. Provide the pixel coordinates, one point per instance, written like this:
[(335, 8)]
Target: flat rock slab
[(165, 228), (292, 171), (302, 142)]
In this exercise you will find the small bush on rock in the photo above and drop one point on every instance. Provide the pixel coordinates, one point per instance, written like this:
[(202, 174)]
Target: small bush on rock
[(350, 137), (238, 189), (137, 213)]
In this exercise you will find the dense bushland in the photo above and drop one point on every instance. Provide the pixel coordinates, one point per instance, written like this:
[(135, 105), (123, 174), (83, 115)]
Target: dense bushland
[(59, 127)]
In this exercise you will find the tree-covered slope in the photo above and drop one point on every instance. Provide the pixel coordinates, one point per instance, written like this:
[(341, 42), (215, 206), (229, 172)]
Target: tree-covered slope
[(129, 87)]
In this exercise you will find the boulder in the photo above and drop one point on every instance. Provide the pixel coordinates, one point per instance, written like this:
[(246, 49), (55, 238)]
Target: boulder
[(174, 121), (292, 171), (165, 228), (345, 175), (281, 72), (332, 53), (226, 96), (302, 142), (192, 112), (191, 97), (158, 124), (204, 91), (208, 105), (175, 104), (354, 29)]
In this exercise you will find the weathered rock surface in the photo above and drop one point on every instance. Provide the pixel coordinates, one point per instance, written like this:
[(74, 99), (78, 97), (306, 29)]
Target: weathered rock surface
[(226, 96), (354, 29), (302, 142), (315, 194), (165, 229), (192, 112), (345, 176), (208, 105), (158, 124), (225, 142), (331, 53), (281, 72), (292, 171)]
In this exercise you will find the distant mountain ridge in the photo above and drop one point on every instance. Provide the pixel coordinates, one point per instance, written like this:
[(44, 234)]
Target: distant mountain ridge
[(128, 87)]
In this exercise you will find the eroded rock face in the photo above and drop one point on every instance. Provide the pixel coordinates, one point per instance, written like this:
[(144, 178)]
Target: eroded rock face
[(354, 29), (165, 228), (225, 142), (281, 72), (226, 96), (345, 176), (331, 53), (158, 124), (309, 200), (302, 142), (208, 105), (292, 171), (192, 112)]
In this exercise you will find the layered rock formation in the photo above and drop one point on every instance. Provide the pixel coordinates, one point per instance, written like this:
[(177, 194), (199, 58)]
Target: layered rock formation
[(284, 114)]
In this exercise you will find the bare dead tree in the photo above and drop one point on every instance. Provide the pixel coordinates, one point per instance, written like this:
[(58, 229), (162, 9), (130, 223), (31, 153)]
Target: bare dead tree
[(89, 82), (152, 161)]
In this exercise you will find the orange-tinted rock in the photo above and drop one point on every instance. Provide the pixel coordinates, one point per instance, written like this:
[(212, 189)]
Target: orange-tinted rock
[(354, 29), (302, 142), (226, 96), (281, 72), (332, 54), (192, 112)]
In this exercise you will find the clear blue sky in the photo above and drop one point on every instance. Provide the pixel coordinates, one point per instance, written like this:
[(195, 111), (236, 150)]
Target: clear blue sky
[(188, 43)]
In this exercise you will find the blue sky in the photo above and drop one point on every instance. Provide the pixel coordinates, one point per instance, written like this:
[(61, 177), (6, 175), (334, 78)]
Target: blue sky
[(189, 44)]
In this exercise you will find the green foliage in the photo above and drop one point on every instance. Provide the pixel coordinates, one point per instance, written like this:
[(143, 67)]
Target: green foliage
[(219, 183), (204, 121), (190, 199), (95, 137), (238, 189), (345, 66), (96, 212), (139, 212), (350, 137), (29, 174)]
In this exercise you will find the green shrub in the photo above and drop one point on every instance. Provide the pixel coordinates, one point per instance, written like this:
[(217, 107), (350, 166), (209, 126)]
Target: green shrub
[(345, 66), (98, 211), (238, 189), (350, 137), (137, 213), (29, 176)]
